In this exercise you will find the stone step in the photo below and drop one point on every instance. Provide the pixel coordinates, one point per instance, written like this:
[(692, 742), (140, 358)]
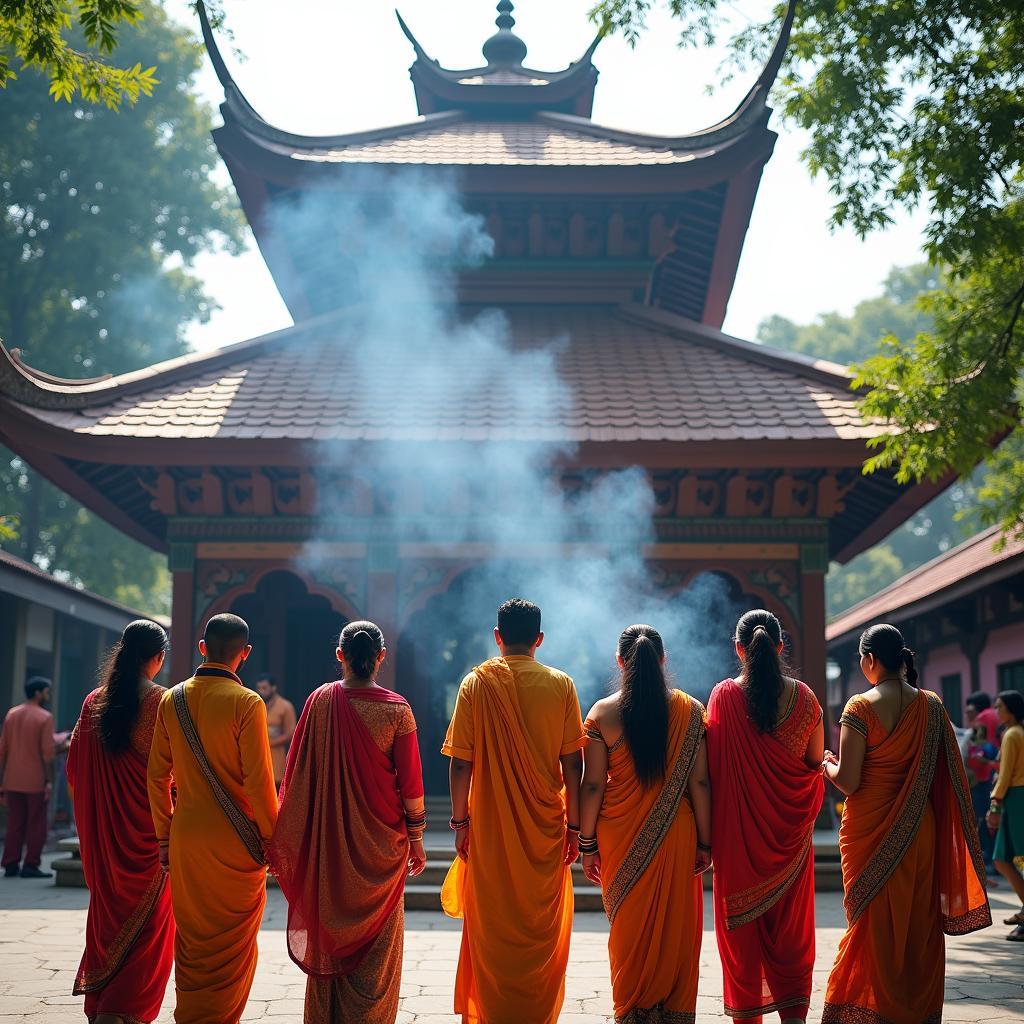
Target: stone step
[(424, 892)]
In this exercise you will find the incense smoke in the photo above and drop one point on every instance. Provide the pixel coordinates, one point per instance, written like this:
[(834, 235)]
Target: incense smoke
[(416, 364)]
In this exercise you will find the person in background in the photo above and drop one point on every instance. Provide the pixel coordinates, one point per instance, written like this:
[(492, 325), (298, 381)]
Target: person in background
[(985, 717), (982, 751), (129, 932), (912, 865), (349, 833), (766, 742), (645, 831), (1006, 813), (515, 743), (26, 780), (211, 739), (280, 724)]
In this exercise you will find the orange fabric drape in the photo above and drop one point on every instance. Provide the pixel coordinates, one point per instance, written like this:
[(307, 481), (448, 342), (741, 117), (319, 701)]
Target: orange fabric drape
[(912, 869), (514, 894), (218, 891), (654, 901)]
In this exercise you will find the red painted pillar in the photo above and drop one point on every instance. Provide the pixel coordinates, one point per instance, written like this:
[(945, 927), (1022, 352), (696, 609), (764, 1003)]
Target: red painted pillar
[(813, 564), (183, 656)]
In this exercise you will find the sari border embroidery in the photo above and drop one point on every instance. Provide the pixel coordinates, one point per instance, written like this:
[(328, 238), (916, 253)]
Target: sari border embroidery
[(850, 1013), (92, 981), (781, 1004), (854, 723), (245, 829), (657, 1014), (979, 917), (649, 839), (901, 835), (744, 907)]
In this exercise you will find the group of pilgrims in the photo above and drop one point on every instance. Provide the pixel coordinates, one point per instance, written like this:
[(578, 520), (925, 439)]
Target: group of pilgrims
[(179, 821)]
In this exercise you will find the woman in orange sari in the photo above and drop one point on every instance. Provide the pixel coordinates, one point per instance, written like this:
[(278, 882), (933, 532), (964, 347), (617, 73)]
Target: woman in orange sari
[(349, 832), (129, 933), (645, 822), (912, 865), (765, 745)]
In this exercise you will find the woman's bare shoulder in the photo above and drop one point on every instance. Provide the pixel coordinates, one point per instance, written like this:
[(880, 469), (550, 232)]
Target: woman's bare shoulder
[(606, 710)]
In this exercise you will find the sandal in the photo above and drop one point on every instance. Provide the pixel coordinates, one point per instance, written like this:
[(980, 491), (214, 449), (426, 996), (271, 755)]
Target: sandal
[(1017, 918), (1017, 935)]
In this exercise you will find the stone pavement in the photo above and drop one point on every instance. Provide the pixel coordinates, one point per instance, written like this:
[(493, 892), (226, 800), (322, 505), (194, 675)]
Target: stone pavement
[(41, 931)]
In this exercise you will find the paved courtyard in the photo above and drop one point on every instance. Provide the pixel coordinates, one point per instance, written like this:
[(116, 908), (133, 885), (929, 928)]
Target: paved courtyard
[(41, 931)]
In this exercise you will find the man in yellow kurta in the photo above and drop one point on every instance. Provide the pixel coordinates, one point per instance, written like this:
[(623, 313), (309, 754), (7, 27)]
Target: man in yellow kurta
[(213, 839), (515, 744)]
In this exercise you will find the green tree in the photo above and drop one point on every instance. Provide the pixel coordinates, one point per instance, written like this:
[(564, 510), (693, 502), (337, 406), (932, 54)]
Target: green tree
[(908, 104), (103, 215), (42, 35)]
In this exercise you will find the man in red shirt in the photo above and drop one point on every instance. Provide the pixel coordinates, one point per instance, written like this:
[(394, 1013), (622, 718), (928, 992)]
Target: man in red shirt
[(26, 779)]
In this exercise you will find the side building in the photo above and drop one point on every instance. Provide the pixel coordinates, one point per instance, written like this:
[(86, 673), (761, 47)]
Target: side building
[(963, 615)]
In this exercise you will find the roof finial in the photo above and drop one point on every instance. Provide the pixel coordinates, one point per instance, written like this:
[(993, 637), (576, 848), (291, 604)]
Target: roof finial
[(505, 47)]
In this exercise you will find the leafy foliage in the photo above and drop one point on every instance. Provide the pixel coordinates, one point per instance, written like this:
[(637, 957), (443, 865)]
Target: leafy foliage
[(36, 33), (914, 103), (102, 216)]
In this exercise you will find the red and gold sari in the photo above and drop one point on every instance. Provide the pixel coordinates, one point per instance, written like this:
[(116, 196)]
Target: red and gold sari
[(340, 849), (129, 933), (654, 901), (764, 801), (912, 869)]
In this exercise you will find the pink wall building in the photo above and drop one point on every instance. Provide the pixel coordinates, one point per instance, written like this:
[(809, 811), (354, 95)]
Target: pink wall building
[(962, 614)]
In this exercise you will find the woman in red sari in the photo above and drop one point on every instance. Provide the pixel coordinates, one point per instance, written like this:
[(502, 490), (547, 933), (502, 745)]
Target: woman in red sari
[(765, 745), (129, 935), (349, 832), (913, 870)]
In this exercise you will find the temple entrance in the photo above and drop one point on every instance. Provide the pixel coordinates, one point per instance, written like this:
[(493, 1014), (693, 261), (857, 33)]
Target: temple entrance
[(293, 635), (452, 633)]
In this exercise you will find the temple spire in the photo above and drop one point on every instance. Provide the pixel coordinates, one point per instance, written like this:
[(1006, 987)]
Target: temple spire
[(505, 48)]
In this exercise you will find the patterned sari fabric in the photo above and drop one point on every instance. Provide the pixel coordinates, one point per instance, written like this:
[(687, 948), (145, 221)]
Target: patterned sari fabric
[(765, 800), (912, 869), (129, 936), (340, 849), (654, 901)]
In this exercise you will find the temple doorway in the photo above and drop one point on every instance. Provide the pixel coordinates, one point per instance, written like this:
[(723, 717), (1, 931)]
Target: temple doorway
[(293, 635), (452, 633)]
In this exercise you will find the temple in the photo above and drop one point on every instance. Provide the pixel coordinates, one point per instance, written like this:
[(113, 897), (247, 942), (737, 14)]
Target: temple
[(623, 246)]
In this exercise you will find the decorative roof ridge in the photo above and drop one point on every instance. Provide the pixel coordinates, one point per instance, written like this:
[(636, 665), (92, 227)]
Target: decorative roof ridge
[(1013, 550), (38, 390), (17, 564), (757, 97), (455, 74), (234, 98), (822, 370)]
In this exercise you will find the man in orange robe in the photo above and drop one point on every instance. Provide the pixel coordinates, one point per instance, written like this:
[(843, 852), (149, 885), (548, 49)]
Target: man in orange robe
[(515, 745), (211, 738)]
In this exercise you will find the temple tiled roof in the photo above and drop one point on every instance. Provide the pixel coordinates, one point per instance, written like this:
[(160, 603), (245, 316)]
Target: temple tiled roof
[(966, 564), (630, 374), (549, 140)]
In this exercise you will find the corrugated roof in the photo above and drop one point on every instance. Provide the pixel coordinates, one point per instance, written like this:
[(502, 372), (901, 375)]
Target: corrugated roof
[(628, 374), (954, 566)]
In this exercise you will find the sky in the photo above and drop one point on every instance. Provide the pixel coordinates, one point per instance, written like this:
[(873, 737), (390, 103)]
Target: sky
[(335, 66)]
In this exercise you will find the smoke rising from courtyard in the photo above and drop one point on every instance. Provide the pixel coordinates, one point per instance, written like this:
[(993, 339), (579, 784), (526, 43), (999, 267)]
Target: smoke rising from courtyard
[(420, 371)]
